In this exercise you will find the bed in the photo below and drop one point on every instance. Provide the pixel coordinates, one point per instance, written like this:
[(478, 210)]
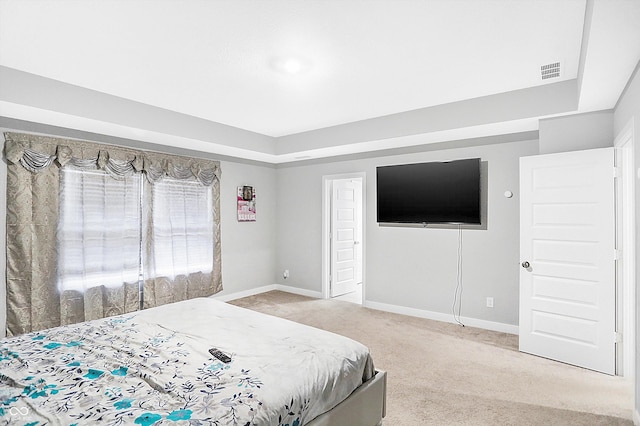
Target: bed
[(154, 367)]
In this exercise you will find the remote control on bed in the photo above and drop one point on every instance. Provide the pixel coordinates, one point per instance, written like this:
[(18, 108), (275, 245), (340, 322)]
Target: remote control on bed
[(220, 355)]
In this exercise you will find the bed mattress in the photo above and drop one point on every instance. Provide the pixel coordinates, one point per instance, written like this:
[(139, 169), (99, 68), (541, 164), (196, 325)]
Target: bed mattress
[(154, 367)]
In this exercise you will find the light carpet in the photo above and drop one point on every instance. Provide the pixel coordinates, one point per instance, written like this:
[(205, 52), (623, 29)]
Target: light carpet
[(445, 374)]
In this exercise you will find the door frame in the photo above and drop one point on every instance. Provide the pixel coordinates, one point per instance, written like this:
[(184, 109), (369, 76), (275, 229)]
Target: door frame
[(624, 145), (327, 184)]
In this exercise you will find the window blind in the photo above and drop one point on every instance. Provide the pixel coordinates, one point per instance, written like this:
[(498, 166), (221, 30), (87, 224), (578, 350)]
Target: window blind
[(98, 229), (182, 222)]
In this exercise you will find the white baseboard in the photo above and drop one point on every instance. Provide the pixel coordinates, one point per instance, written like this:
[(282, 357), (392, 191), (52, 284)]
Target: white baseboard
[(300, 291), (636, 417), (245, 293), (439, 316), (264, 289)]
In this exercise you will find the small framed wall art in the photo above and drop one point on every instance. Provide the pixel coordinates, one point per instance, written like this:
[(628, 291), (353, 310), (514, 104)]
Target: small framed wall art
[(246, 203)]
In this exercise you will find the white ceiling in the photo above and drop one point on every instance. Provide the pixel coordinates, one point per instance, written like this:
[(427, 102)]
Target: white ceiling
[(219, 61)]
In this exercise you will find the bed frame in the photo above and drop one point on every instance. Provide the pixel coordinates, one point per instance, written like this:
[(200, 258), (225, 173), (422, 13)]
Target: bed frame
[(366, 406)]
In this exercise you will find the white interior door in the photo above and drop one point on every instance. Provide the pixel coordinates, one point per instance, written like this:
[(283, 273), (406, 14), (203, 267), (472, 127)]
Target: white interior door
[(343, 237), (567, 249)]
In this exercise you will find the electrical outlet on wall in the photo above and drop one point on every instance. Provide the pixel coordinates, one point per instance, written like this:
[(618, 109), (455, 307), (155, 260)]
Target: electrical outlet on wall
[(285, 274), (489, 302)]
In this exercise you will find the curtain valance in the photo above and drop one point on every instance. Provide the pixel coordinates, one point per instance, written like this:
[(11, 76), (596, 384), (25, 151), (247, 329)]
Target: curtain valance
[(38, 153)]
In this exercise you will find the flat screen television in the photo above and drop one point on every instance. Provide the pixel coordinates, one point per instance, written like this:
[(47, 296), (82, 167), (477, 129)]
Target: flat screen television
[(435, 192)]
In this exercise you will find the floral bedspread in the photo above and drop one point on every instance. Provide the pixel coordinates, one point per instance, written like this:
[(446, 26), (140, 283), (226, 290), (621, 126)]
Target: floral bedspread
[(153, 367)]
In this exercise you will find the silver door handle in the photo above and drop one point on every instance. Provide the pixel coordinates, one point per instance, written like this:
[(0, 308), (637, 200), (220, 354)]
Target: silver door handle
[(526, 264)]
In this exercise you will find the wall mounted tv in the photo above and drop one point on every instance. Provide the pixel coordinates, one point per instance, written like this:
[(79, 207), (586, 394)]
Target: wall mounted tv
[(435, 192)]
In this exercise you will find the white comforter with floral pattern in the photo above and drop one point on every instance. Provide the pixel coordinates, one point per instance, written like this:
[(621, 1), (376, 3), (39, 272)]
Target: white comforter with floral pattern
[(153, 367)]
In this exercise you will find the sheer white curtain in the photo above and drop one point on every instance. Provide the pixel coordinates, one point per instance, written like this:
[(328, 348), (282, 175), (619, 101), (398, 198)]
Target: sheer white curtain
[(99, 230), (182, 226)]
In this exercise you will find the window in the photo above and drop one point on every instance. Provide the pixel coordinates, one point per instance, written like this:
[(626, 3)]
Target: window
[(100, 229), (182, 227), (85, 230)]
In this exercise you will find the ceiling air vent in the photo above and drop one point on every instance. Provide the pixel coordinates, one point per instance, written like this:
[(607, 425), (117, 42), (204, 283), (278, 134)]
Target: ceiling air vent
[(550, 70)]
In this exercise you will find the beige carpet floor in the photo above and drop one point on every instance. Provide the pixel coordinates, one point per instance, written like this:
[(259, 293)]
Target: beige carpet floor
[(445, 374)]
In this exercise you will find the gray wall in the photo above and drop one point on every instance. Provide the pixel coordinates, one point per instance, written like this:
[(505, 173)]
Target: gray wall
[(408, 266), (248, 248), (627, 109), (576, 132)]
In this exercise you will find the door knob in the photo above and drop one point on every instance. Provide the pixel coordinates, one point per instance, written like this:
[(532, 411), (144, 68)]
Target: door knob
[(526, 264)]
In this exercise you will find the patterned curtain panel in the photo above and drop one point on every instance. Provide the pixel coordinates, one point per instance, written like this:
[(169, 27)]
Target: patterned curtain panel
[(35, 297)]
